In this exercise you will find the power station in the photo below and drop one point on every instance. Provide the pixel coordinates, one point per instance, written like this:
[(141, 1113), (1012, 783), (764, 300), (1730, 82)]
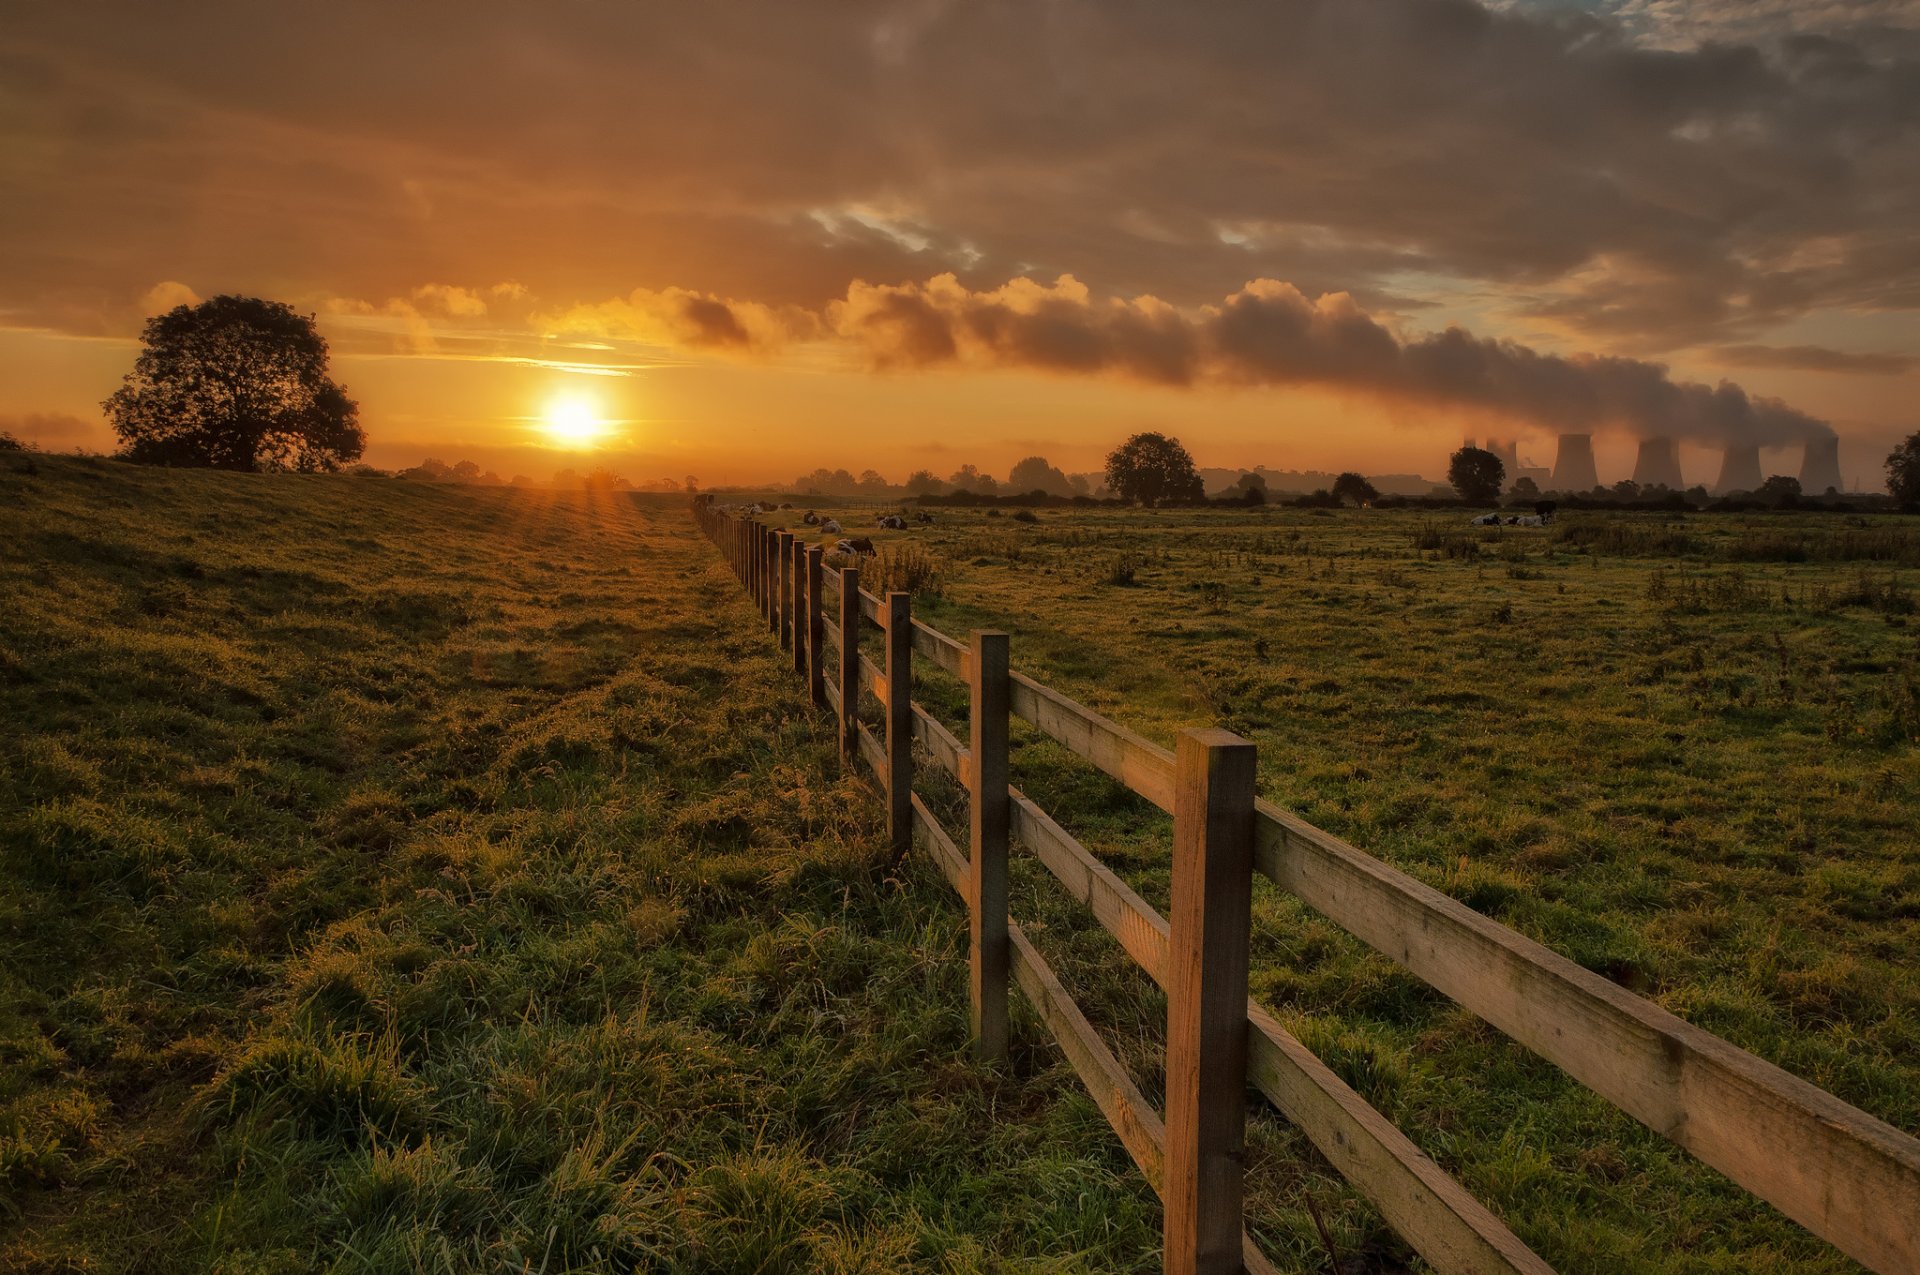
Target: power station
[(1573, 469), (1658, 464)]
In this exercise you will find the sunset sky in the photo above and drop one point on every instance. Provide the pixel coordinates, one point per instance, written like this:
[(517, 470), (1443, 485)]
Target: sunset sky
[(747, 240)]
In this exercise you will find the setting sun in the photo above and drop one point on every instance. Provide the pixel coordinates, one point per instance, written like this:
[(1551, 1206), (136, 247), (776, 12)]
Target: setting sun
[(573, 422)]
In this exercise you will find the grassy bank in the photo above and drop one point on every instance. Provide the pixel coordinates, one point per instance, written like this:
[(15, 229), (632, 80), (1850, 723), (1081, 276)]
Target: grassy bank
[(406, 878)]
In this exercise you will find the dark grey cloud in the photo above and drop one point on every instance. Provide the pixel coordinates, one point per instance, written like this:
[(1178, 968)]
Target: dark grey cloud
[(1270, 334), (1642, 198), (1811, 358)]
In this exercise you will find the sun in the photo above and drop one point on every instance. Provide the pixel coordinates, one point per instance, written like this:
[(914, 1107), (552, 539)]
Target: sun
[(573, 422)]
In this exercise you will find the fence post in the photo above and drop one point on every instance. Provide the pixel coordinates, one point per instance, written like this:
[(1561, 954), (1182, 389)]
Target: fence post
[(753, 561), (816, 631), (849, 664), (1210, 923), (987, 867), (783, 584), (797, 602), (900, 723), (768, 570)]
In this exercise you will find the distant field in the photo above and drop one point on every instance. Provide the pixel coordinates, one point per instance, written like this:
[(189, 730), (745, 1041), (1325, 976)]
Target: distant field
[(415, 878), (1680, 750)]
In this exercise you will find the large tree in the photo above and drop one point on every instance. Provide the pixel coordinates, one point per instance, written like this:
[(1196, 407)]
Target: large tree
[(235, 383), (1903, 472), (1150, 468), (1477, 474), (1354, 487), (1036, 473)]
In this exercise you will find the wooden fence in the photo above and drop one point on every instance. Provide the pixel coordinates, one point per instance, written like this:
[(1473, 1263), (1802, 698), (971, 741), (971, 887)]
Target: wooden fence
[(1844, 1175)]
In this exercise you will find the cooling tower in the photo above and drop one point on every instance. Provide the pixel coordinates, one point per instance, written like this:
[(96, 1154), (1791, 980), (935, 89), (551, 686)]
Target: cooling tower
[(1573, 469), (1820, 467), (1739, 469), (1659, 464)]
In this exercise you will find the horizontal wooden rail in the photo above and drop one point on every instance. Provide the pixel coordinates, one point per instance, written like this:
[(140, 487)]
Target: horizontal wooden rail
[(942, 650), (872, 608), (833, 696), (1143, 766), (875, 679), (828, 627), (942, 745), (872, 750)]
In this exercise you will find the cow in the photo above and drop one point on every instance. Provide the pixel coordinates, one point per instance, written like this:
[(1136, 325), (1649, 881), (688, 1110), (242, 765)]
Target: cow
[(861, 547), (786, 504), (830, 527), (1544, 510), (811, 518), (1487, 520), (892, 522), (923, 517)]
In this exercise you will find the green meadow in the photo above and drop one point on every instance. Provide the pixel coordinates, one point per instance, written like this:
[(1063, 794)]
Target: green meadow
[(407, 877)]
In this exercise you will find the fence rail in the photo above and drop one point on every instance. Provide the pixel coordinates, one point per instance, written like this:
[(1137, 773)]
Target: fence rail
[(1848, 1177)]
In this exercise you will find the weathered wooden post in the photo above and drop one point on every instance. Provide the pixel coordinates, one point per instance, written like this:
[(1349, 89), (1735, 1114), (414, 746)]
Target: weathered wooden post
[(767, 574), (783, 584), (987, 866), (849, 664), (753, 561), (900, 723), (797, 602), (1210, 924), (816, 630)]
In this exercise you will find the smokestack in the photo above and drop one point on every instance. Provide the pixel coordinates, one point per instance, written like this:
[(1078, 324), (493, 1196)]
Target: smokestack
[(1820, 467), (1659, 464), (1740, 469), (1573, 470)]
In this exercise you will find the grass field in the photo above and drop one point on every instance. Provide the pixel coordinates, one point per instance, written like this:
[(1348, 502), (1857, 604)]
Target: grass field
[(416, 878), (1681, 751), (404, 877)]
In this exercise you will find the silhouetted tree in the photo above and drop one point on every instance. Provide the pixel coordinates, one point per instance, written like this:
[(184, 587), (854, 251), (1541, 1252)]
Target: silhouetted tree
[(1526, 489), (921, 482), (1781, 489), (1903, 472), (1035, 474), (235, 383), (1151, 468), (1354, 487), (1477, 474), (967, 478)]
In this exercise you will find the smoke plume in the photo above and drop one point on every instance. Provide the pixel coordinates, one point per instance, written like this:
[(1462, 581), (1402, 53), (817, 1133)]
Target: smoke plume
[(1270, 333)]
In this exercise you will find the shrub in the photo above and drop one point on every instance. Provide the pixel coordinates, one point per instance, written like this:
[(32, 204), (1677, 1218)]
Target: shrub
[(907, 568)]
